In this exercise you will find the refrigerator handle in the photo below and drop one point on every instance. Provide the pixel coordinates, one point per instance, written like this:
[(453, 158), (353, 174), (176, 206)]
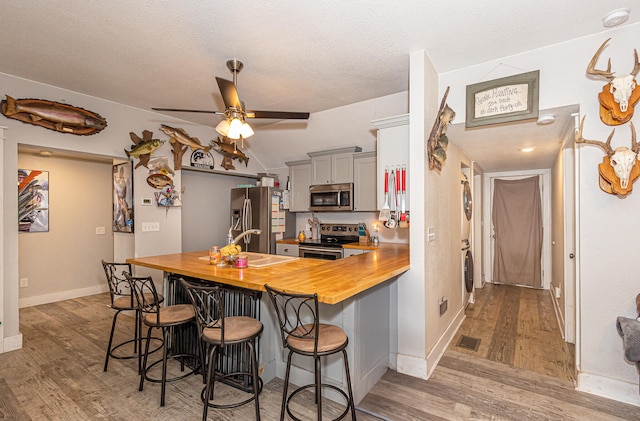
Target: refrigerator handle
[(248, 217)]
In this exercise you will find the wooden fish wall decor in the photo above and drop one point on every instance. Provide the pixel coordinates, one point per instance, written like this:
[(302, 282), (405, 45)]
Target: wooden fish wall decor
[(51, 115), (228, 149), (438, 141), (143, 147), (179, 137)]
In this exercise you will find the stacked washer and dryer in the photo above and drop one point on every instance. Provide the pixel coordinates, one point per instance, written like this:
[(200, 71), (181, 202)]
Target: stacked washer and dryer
[(467, 257)]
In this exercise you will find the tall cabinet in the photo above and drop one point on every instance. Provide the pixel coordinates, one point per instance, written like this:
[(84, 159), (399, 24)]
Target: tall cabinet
[(299, 180), (393, 150), (365, 198)]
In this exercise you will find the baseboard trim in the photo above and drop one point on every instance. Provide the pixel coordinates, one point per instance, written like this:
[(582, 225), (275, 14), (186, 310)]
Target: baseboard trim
[(61, 296), (609, 388), (12, 343), (412, 366), (436, 353), (559, 315)]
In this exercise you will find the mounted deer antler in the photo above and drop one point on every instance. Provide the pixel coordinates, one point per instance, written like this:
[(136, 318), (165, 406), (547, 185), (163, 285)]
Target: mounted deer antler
[(620, 92), (606, 146), (622, 160)]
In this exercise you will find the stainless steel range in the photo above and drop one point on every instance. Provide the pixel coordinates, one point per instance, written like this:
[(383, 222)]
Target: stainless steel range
[(329, 245)]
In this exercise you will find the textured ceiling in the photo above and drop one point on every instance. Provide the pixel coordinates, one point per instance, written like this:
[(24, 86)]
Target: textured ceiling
[(298, 55)]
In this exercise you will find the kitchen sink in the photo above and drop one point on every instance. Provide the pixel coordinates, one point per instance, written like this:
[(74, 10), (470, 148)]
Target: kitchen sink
[(260, 260)]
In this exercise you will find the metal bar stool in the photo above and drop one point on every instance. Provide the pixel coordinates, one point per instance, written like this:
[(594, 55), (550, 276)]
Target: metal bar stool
[(164, 318), (303, 334), (218, 331), (123, 299)]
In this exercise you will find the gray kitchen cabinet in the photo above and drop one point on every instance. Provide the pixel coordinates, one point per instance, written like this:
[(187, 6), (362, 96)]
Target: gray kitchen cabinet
[(352, 252), (287, 249), (299, 180), (364, 182), (332, 166)]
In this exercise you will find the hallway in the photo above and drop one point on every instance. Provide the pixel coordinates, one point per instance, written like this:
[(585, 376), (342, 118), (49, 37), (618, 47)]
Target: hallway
[(516, 326)]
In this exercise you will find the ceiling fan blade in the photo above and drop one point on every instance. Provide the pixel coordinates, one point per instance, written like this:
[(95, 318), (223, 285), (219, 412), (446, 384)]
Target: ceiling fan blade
[(282, 115), (229, 94), (181, 110)]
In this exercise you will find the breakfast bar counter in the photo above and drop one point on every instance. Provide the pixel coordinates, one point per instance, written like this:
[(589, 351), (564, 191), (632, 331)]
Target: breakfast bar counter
[(333, 281), (358, 293)]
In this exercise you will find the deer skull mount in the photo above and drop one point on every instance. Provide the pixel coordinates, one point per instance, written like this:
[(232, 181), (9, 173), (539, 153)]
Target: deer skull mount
[(620, 166), (620, 95)]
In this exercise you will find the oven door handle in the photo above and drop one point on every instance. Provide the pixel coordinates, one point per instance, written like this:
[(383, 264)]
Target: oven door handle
[(321, 250)]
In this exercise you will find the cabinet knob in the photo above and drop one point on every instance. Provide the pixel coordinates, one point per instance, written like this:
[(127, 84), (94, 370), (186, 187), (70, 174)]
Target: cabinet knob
[(287, 250)]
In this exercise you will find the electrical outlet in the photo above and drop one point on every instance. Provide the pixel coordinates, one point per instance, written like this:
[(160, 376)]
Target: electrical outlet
[(101, 231), (150, 226), (443, 306), (24, 282)]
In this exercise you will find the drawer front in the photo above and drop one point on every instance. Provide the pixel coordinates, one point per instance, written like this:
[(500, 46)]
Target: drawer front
[(287, 249)]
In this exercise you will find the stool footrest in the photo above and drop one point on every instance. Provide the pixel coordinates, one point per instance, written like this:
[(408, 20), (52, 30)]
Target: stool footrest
[(193, 370), (230, 383), (313, 386)]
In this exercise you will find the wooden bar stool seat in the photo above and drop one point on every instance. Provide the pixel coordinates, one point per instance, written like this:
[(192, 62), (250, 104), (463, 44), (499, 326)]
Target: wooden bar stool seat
[(219, 331), (123, 299), (167, 319), (303, 334)]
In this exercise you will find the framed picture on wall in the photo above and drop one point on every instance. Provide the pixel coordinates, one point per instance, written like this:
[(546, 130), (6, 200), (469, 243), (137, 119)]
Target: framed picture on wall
[(503, 100), (33, 201), (123, 197)]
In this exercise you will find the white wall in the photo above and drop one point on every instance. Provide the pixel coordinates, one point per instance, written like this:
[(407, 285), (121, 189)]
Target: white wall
[(606, 262), (65, 261), (111, 143), (205, 212)]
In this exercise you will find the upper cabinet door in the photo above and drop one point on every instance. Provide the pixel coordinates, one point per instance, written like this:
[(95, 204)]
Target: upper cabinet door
[(342, 168), (321, 169), (300, 179), (364, 182)]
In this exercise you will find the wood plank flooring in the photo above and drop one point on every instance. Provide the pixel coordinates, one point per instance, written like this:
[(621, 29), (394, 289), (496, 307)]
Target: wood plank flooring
[(58, 376), (517, 326)]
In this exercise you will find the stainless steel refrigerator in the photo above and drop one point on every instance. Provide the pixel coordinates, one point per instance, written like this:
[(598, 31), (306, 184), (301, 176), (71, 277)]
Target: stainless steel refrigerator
[(259, 208)]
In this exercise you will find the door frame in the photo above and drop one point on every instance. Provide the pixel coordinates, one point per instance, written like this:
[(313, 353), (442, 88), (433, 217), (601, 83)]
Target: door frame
[(545, 192)]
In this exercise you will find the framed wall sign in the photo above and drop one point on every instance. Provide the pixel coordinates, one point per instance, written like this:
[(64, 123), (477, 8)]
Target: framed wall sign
[(503, 100)]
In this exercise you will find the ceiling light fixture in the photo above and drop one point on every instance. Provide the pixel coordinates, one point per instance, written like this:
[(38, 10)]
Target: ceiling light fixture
[(527, 149), (615, 18), (46, 154), (234, 128), (546, 119)]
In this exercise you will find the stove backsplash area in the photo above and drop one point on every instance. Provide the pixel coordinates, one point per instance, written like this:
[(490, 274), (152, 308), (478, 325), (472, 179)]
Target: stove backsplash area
[(396, 235)]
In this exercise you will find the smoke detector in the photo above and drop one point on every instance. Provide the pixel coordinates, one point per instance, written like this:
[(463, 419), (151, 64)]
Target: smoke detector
[(615, 18)]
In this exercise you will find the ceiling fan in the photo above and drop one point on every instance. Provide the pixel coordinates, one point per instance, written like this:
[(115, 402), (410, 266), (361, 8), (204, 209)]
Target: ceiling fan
[(234, 125)]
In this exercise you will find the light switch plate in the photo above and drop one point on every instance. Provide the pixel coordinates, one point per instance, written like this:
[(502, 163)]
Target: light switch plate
[(146, 201), (431, 234), (100, 231), (150, 226)]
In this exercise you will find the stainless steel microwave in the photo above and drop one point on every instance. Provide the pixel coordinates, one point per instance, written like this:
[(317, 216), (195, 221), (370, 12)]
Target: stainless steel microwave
[(331, 197)]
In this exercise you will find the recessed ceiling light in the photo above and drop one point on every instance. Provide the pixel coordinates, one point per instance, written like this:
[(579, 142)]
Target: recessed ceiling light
[(528, 149), (615, 18), (546, 119)]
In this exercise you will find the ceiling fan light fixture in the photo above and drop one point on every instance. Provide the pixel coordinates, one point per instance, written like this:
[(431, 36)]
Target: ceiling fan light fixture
[(247, 131), (223, 127), (235, 129)]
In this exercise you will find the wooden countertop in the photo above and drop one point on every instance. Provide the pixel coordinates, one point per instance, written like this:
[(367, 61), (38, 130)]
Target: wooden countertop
[(334, 281)]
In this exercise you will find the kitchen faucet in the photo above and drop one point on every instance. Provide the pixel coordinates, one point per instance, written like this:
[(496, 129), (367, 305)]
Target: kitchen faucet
[(241, 235)]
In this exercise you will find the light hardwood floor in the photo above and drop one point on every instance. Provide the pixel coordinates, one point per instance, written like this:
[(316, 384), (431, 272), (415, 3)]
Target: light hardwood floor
[(57, 375), (517, 326)]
